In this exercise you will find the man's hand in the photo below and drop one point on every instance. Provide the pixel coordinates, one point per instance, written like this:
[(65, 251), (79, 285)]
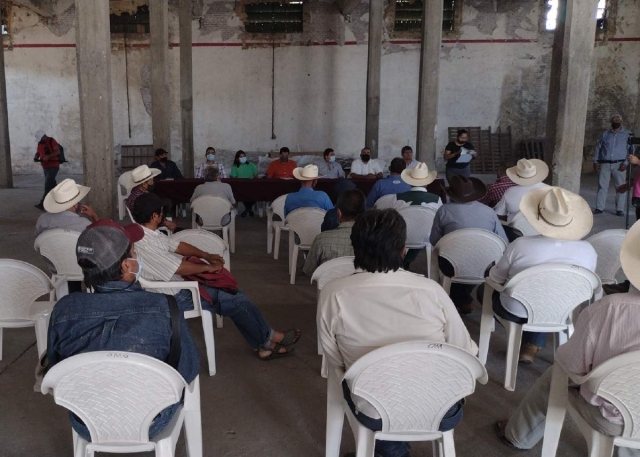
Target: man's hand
[(45, 159), (633, 160), (214, 259), (89, 212), (170, 225), (371, 176), (596, 167), (213, 268), (622, 167)]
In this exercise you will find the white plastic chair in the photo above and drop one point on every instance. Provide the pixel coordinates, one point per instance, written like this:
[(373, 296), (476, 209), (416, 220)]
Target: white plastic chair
[(21, 284), (522, 225), (211, 210), (123, 193), (118, 394), (306, 223), (411, 385), (470, 252), (607, 245), (58, 246), (385, 202), (197, 311), (550, 293), (332, 269), (276, 208), (419, 220), (616, 381)]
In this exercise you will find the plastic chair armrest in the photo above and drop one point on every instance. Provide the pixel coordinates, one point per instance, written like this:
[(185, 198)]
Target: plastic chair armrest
[(494, 285), (40, 309)]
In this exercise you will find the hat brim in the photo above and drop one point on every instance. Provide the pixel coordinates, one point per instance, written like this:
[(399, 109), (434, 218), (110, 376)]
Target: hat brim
[(630, 255), (479, 191), (577, 229), (406, 177), (131, 184), (542, 171), (297, 173), (54, 207)]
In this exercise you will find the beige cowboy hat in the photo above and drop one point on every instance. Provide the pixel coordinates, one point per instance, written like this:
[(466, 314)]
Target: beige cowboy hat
[(557, 213), (308, 173), (64, 196), (528, 172), (419, 176), (630, 255), (142, 174)]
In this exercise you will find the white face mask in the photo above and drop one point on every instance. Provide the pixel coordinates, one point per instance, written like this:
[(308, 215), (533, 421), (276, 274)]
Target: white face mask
[(139, 272), (211, 157)]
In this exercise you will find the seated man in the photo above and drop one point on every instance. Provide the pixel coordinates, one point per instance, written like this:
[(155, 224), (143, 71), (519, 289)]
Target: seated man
[(496, 190), (528, 175), (140, 183), (563, 219), (283, 167), (384, 305), (214, 187), (392, 184), (364, 167), (168, 168), (331, 220), (87, 322), (330, 169), (336, 243), (163, 260), (604, 330), (407, 156), (419, 178), (306, 197)]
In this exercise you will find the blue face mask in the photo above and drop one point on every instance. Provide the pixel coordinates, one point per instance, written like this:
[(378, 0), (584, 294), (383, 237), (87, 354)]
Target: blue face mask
[(243, 160), (332, 159), (211, 157), (139, 272)]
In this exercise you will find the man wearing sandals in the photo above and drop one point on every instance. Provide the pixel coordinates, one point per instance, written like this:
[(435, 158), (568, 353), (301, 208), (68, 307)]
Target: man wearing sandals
[(163, 260)]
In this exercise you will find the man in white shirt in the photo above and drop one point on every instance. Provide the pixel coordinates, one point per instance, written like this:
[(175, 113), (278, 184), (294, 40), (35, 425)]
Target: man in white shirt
[(383, 304), (562, 218), (364, 167), (604, 330), (407, 156), (214, 187)]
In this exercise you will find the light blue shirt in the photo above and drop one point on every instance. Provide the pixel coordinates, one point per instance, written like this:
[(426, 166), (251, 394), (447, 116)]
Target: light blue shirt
[(307, 198), (456, 216), (392, 184), (413, 164), (331, 170), (612, 146)]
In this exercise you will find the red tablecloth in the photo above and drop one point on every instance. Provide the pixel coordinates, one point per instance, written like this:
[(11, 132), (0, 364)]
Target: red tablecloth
[(265, 189)]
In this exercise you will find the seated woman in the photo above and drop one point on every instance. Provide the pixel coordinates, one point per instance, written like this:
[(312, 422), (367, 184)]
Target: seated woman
[(245, 170), (211, 162)]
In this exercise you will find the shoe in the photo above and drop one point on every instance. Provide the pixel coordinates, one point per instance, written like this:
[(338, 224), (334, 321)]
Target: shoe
[(244, 213), (39, 206), (597, 211), (528, 353), (466, 308), (500, 428), (620, 213)]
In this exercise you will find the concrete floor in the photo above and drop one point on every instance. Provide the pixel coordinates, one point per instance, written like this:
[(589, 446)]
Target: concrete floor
[(250, 408)]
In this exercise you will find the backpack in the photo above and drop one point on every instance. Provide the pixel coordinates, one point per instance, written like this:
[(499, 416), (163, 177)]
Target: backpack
[(61, 157)]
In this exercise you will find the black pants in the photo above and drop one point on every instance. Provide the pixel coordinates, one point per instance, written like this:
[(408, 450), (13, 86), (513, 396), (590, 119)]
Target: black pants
[(49, 180), (460, 293), (511, 233)]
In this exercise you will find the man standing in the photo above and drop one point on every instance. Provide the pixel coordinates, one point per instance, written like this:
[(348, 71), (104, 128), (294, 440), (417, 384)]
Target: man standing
[(392, 184), (168, 168), (306, 197), (610, 160), (283, 167), (48, 155), (364, 167), (407, 155)]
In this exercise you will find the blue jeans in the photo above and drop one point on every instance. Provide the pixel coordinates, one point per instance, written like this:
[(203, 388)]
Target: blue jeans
[(245, 315), (49, 180)]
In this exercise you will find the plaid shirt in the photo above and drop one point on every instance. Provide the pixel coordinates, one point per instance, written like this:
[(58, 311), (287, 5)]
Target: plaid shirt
[(496, 190), (329, 245), (202, 168), (135, 193)]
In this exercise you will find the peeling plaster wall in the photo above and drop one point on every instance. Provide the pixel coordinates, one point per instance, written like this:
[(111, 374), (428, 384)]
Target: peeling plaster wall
[(320, 78)]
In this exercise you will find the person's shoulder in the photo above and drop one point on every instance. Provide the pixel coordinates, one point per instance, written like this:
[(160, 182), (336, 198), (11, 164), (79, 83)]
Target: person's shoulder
[(450, 145)]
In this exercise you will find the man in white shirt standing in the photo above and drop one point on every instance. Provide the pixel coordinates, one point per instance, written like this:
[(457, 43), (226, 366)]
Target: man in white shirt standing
[(364, 167), (383, 304), (562, 218)]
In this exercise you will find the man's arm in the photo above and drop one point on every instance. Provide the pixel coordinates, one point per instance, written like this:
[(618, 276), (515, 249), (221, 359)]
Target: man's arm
[(188, 250), (501, 207), (448, 155), (89, 212), (327, 338), (455, 332), (437, 231), (500, 271), (498, 229), (270, 170), (188, 268), (55, 151), (313, 259), (177, 171), (596, 153), (577, 353)]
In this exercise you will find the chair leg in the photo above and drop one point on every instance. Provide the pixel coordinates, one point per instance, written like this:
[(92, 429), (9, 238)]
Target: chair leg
[(207, 327), (294, 264), (486, 323), (41, 326), (436, 448), (164, 448), (0, 343), (219, 321), (232, 233), (225, 236), (324, 370), (514, 332), (276, 244), (365, 443), (292, 242), (556, 410), (79, 446), (428, 252), (269, 236), (448, 446), (335, 417), (446, 284), (193, 421)]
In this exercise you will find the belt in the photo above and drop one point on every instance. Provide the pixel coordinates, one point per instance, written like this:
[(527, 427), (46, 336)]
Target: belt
[(611, 161)]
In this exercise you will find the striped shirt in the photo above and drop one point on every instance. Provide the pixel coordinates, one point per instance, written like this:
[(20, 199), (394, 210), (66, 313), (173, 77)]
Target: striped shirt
[(158, 258), (329, 245), (202, 168)]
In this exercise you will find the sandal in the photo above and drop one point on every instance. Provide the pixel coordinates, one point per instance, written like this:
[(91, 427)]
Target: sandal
[(275, 352), (291, 337)]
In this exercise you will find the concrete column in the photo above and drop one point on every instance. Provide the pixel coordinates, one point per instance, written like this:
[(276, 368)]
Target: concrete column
[(93, 50), (186, 87), (376, 11), (160, 96), (6, 176), (569, 90), (432, 13)]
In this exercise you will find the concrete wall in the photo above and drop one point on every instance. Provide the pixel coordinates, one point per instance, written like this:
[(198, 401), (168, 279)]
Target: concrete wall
[(494, 72)]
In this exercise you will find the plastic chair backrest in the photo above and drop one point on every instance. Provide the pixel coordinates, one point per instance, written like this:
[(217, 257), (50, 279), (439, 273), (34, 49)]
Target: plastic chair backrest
[(550, 292), (412, 385), (385, 202), (20, 285), (471, 251), (306, 223), (123, 182), (211, 209), (521, 224), (607, 245), (116, 394), (205, 241), (332, 269), (59, 247), (419, 221), (277, 206)]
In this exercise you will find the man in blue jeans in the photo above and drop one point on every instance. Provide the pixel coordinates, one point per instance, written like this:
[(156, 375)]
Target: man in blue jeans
[(163, 260)]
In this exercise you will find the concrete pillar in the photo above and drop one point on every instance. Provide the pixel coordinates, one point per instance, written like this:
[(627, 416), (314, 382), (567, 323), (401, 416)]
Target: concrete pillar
[(186, 86), (432, 13), (160, 96), (93, 50), (376, 11), (6, 176), (569, 90)]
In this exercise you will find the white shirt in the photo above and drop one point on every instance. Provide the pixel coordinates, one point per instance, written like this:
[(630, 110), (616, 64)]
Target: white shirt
[(371, 167), (529, 251), (67, 220), (156, 251), (216, 189), (412, 165), (509, 204)]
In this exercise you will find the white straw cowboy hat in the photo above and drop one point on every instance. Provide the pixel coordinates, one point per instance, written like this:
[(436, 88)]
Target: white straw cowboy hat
[(528, 172), (308, 173), (630, 255), (142, 174), (557, 213), (419, 176), (64, 196)]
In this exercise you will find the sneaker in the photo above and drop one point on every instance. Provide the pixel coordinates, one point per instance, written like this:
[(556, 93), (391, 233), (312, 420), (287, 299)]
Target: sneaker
[(597, 211), (39, 206), (528, 353), (620, 213)]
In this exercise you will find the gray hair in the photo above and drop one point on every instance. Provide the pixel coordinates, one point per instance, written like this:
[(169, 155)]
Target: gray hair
[(211, 174), (616, 115)]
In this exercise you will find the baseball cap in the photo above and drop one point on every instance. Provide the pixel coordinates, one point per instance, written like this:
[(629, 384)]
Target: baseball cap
[(104, 243), (39, 134)]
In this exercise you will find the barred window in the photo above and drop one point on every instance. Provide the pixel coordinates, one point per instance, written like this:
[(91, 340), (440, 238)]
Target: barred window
[(131, 23), (409, 15), (274, 17)]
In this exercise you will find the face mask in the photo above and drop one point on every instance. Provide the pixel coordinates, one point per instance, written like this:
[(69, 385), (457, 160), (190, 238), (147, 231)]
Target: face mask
[(243, 160), (284, 159), (164, 160), (615, 125), (211, 157), (332, 159), (365, 157), (139, 272)]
